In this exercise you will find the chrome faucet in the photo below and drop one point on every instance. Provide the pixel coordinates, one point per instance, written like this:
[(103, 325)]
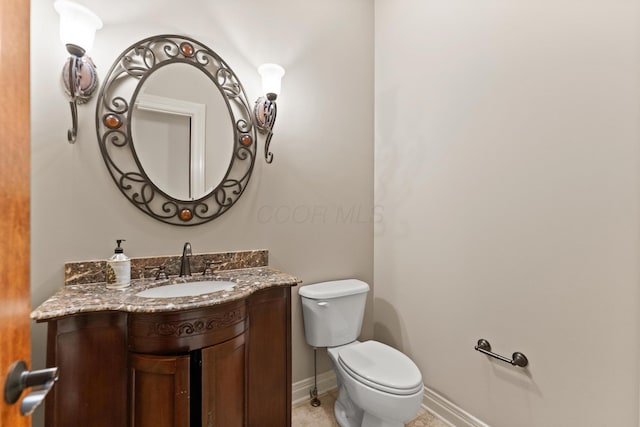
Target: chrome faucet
[(185, 266)]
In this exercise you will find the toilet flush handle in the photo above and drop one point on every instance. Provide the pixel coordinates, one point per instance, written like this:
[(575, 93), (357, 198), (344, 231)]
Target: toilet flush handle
[(323, 303)]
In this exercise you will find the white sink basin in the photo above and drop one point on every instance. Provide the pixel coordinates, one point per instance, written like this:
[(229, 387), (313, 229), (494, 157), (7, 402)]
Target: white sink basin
[(189, 289)]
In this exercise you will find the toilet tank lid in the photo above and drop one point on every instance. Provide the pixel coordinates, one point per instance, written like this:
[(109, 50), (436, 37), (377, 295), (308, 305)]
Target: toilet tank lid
[(333, 289)]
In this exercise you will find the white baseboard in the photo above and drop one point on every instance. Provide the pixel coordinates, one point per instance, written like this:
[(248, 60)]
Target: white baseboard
[(300, 389), (434, 403), (449, 412)]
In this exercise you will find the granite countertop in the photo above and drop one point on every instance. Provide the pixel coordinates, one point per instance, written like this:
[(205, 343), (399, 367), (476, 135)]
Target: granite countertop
[(94, 297)]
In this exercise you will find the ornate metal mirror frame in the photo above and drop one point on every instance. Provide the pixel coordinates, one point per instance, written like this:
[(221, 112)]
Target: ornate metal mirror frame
[(113, 122)]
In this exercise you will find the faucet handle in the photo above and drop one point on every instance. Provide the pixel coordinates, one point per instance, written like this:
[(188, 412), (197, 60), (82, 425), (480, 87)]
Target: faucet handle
[(186, 250), (162, 271), (208, 271)]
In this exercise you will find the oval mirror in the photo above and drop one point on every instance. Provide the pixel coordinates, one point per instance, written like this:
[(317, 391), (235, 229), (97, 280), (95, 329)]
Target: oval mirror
[(175, 131)]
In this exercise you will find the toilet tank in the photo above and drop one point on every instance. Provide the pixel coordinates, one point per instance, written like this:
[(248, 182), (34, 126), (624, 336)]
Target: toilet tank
[(333, 311)]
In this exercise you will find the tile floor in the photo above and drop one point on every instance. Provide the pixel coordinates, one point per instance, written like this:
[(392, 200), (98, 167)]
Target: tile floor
[(305, 415)]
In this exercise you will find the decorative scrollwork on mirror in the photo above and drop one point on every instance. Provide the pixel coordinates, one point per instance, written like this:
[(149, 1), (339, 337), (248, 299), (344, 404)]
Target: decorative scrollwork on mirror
[(119, 98)]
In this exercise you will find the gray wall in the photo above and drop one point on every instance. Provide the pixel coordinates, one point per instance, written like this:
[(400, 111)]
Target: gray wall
[(311, 208), (507, 165)]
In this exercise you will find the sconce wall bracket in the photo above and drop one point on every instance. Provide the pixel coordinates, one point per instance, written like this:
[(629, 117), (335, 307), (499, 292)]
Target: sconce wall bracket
[(80, 78), (265, 112), (80, 81)]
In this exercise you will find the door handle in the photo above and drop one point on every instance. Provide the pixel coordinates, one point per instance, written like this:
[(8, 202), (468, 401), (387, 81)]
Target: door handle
[(20, 377)]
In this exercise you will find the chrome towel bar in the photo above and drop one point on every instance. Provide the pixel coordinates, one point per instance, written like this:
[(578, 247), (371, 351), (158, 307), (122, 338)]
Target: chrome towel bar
[(517, 359)]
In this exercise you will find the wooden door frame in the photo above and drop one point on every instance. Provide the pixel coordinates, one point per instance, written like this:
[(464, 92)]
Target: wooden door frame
[(15, 304)]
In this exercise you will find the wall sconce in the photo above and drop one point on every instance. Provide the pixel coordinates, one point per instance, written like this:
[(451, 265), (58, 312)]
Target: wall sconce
[(265, 109), (78, 27)]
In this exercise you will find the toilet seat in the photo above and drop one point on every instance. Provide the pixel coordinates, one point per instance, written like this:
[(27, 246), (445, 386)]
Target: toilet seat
[(381, 367)]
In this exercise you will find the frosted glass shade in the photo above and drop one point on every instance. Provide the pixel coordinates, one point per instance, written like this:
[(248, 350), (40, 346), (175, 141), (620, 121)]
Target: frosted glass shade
[(78, 24), (271, 78)]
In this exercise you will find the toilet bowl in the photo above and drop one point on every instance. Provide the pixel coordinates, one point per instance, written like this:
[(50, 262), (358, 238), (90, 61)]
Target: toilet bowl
[(377, 379), (378, 386)]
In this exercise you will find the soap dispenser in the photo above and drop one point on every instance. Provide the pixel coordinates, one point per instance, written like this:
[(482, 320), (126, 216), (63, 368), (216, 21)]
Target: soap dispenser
[(118, 269)]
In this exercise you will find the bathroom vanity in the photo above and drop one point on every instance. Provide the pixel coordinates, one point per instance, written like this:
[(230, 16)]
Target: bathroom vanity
[(219, 359)]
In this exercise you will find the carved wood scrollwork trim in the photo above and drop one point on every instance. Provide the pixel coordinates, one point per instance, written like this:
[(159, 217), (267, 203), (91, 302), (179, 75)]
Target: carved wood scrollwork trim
[(196, 326)]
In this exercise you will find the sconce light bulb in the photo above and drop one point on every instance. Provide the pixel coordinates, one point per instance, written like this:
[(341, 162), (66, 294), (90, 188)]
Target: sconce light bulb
[(78, 24), (271, 79)]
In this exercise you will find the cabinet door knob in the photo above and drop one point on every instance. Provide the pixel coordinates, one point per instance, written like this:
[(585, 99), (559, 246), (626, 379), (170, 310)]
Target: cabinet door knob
[(20, 377)]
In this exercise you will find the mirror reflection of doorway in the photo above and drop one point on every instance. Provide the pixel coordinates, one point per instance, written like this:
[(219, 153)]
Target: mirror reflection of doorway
[(182, 90), (171, 152)]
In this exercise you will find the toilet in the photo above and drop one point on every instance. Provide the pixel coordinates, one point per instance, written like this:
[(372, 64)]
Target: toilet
[(378, 386)]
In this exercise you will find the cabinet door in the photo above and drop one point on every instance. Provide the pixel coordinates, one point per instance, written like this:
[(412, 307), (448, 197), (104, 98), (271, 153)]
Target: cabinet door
[(269, 359), (159, 391), (223, 384), (90, 353)]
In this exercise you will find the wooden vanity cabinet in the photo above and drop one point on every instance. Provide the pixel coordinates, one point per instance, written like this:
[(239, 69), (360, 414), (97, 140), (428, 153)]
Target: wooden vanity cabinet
[(225, 365)]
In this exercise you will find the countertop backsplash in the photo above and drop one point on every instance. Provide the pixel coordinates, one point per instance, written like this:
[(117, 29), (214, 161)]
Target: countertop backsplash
[(86, 272)]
